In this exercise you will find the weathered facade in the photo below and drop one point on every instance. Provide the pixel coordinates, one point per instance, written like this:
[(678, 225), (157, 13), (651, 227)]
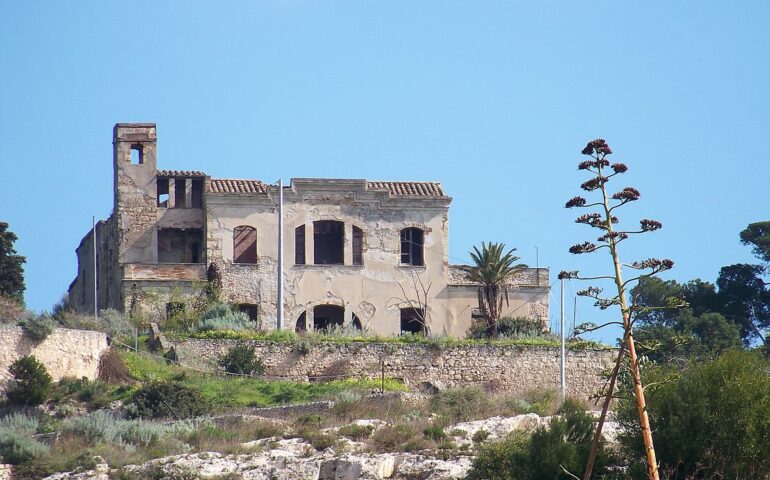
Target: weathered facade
[(357, 253)]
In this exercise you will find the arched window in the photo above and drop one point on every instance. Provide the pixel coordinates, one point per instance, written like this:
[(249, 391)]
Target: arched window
[(412, 241), (329, 242), (245, 245), (301, 326), (358, 246)]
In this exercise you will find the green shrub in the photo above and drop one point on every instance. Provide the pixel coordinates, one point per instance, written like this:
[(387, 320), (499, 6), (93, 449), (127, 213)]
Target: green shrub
[(461, 404), (397, 438), (169, 399), (508, 327), (434, 432), (480, 436), (16, 442), (98, 427), (241, 359), (31, 382), (356, 432), (115, 324), (38, 327), (564, 444), (711, 420)]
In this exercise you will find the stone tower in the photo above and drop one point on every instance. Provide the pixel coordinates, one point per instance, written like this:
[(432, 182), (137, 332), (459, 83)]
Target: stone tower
[(135, 210)]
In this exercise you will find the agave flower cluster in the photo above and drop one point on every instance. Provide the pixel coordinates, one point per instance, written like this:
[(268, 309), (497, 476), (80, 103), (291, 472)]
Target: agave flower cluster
[(603, 218)]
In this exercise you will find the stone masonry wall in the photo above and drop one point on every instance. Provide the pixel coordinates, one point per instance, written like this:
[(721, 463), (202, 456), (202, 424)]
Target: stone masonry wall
[(514, 369), (65, 352)]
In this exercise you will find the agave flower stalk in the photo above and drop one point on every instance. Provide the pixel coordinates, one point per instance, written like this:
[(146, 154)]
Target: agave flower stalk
[(604, 220)]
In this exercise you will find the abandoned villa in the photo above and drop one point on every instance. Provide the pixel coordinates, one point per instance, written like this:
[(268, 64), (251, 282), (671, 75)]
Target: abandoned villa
[(366, 254)]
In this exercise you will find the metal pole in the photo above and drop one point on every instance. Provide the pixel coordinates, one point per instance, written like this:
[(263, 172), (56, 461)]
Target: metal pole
[(279, 309), (563, 350), (96, 308), (537, 264)]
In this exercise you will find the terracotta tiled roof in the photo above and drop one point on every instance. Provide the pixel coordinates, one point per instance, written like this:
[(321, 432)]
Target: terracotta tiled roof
[(180, 173), (224, 185), (409, 189)]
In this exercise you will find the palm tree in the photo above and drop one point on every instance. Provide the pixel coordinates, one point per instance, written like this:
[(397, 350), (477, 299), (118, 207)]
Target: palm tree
[(493, 271)]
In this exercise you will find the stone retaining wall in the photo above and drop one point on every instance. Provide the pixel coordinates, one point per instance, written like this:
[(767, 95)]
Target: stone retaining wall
[(65, 352), (515, 369)]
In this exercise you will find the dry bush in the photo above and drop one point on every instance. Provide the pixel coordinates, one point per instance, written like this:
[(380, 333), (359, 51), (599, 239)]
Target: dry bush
[(112, 369), (11, 310)]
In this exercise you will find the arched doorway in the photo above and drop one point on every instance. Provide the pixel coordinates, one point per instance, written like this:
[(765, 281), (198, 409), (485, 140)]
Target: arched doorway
[(326, 317)]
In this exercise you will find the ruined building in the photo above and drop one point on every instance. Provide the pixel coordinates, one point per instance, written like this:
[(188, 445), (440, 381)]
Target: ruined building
[(357, 253)]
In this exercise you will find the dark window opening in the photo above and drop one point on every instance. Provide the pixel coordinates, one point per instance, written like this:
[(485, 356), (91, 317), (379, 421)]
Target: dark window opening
[(180, 193), (163, 192), (245, 245), (326, 317), (250, 309), (137, 154), (412, 320), (358, 246), (299, 245), (174, 309), (329, 242), (476, 315), (412, 241), (357, 322), (197, 193), (301, 323), (177, 245)]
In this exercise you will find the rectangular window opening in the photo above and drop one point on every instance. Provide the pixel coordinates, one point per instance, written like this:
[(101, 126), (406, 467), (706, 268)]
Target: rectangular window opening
[(178, 245), (299, 245), (197, 193), (137, 157), (162, 192), (180, 194), (412, 321), (329, 242), (358, 246)]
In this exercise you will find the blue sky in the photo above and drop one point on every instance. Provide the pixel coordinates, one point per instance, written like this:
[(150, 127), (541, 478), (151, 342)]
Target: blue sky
[(493, 99)]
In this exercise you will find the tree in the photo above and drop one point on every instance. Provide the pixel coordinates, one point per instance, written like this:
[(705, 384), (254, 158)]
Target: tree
[(758, 236), (605, 220), (31, 382), (493, 269), (11, 266), (712, 419), (745, 299)]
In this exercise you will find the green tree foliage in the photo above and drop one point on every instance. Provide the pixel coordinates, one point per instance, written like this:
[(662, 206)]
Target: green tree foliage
[(31, 382), (11, 266), (493, 269), (745, 299), (563, 445), (169, 399), (742, 299), (758, 236), (688, 336), (711, 420), (241, 359)]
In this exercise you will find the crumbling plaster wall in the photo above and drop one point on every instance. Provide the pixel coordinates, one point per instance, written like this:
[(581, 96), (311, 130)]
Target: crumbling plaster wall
[(371, 290)]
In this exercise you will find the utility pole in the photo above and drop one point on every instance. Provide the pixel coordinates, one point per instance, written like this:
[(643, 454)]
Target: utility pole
[(96, 308), (563, 350), (279, 307)]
